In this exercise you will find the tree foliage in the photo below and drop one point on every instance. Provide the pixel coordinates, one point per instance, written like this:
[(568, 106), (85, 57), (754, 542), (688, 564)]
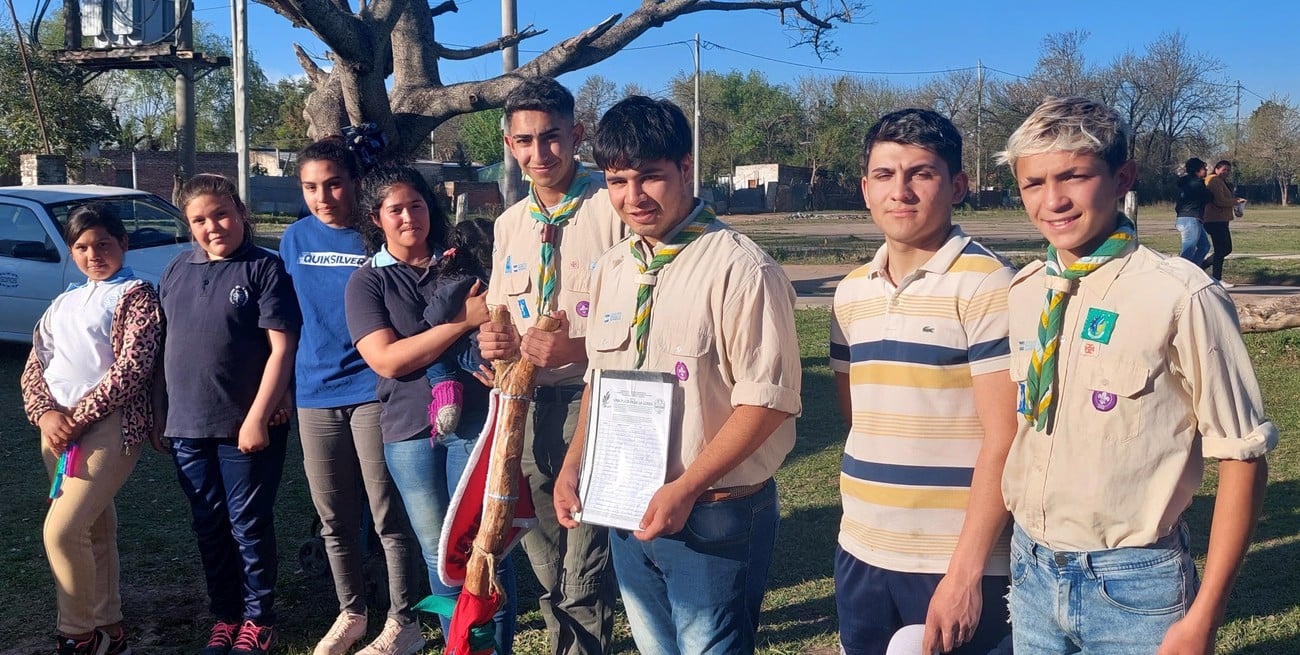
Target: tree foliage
[(75, 117), (482, 137), (1272, 143)]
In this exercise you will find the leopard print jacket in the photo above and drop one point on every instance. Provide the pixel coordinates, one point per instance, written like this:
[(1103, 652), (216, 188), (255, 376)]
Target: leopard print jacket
[(137, 338)]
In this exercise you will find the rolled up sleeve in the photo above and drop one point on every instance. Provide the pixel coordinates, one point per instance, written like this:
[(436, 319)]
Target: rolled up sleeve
[(1211, 355), (761, 342)]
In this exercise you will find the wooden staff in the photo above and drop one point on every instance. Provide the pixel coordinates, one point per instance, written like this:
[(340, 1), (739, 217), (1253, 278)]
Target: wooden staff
[(514, 379)]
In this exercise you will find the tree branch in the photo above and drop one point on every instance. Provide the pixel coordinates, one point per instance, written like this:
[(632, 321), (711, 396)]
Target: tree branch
[(446, 7), (487, 48), (796, 5), (315, 73)]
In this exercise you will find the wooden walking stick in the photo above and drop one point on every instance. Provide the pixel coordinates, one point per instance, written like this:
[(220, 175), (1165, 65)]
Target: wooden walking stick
[(514, 390)]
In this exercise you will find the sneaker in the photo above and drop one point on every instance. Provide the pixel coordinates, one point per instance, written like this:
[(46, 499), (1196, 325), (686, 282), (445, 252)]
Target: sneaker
[(117, 645), (396, 639), (1226, 285), (253, 639), (347, 629), (95, 644), (221, 638)]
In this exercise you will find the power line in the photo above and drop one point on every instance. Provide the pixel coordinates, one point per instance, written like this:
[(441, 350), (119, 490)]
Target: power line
[(711, 45)]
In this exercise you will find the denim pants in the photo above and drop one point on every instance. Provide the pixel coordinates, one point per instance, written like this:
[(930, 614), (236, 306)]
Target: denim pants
[(1107, 602), (426, 476), (1196, 243), (698, 592), (343, 454), (232, 501)]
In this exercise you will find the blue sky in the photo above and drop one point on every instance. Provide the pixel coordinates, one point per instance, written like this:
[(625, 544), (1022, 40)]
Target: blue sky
[(1256, 45)]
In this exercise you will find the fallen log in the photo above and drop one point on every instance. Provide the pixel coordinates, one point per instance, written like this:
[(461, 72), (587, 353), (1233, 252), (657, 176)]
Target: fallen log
[(1269, 315)]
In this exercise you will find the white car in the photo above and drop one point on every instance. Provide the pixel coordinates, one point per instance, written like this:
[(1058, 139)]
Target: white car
[(34, 262)]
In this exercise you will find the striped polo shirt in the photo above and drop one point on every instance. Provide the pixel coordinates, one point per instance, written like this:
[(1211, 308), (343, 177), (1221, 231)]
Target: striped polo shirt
[(910, 351)]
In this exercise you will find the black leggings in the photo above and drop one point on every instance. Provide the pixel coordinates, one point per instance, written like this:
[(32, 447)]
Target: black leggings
[(1222, 240)]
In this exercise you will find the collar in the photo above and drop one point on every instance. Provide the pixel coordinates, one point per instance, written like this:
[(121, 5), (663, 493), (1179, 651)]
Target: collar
[(938, 263), (383, 258), (122, 275), (672, 234), (200, 256), (1102, 278)]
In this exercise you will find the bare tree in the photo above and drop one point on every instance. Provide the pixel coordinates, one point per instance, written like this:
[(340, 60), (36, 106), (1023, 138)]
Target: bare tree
[(595, 95), (397, 39), (1272, 144)]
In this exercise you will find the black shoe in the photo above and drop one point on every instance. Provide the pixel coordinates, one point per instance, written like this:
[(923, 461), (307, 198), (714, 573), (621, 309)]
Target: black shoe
[(117, 645), (95, 644), (253, 639), (221, 638)]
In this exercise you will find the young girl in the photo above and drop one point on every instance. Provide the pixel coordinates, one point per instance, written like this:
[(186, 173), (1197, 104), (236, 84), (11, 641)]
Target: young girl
[(468, 260), (406, 229), (87, 385), (338, 413), (232, 329)]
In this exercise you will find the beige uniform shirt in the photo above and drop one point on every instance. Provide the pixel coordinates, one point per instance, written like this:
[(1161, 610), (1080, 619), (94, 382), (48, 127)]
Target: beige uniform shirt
[(516, 262), (1152, 377), (722, 323)]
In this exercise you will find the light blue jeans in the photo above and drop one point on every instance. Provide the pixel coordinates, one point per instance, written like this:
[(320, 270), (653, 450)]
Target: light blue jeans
[(1107, 602), (426, 476), (698, 592), (1196, 243)]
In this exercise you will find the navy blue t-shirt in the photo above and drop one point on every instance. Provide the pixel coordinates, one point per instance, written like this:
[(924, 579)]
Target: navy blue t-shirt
[(328, 372), (216, 348), (388, 294)]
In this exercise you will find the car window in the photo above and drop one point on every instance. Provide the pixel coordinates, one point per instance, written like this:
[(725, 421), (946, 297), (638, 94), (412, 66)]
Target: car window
[(149, 222), (22, 236)]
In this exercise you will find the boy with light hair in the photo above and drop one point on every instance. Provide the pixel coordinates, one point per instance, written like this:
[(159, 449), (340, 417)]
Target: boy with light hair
[(1131, 369)]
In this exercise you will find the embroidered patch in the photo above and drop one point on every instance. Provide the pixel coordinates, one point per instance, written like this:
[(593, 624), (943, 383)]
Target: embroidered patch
[(1090, 349), (612, 317), (681, 371), (523, 308), (239, 296), (1104, 401), (583, 308), (1099, 325), (1026, 345), (1022, 398)]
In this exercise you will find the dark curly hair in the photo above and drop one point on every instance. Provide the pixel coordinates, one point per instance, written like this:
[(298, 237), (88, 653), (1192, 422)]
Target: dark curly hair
[(472, 241), (375, 187)]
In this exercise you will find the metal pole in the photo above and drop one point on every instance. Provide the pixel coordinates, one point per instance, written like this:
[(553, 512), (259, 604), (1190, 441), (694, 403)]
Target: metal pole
[(31, 83), (979, 131), (695, 154), (185, 135), (511, 185), (239, 66)]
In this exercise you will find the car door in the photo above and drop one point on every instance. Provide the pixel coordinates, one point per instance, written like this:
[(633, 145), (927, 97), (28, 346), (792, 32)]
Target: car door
[(32, 269)]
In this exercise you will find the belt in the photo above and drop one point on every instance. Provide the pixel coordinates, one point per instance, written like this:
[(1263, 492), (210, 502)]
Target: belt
[(731, 493), (558, 394)]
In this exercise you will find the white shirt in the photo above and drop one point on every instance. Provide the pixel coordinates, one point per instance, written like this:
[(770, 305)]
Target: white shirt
[(76, 332)]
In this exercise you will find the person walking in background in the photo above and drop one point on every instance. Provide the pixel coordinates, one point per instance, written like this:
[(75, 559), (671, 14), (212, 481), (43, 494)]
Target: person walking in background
[(87, 385), (1218, 213), (919, 349), (546, 248), (232, 329), (1131, 370), (338, 412), (1189, 211)]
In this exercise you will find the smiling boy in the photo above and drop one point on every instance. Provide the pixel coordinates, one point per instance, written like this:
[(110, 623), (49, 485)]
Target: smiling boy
[(919, 349), (1131, 369)]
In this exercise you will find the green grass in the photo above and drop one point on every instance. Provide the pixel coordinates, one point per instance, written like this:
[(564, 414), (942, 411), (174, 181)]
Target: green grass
[(165, 604)]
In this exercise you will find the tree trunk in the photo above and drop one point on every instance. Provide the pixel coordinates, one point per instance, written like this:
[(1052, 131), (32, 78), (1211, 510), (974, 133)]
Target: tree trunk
[(1270, 315)]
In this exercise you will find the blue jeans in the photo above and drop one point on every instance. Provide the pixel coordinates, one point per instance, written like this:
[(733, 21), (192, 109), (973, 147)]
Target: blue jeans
[(698, 592), (426, 476), (1196, 243), (1107, 602), (232, 502)]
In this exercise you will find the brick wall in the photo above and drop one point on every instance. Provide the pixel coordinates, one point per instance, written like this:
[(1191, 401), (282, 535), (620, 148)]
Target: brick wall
[(155, 170)]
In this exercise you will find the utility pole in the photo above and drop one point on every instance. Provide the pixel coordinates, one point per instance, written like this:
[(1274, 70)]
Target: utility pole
[(511, 185), (695, 139), (979, 132), (185, 135), (31, 83), (239, 69), (1236, 131)]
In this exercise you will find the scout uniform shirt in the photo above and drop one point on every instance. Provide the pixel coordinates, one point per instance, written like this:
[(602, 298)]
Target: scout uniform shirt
[(516, 262), (722, 323), (1152, 377)]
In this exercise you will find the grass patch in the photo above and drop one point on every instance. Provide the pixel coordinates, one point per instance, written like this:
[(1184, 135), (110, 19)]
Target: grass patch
[(166, 605)]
